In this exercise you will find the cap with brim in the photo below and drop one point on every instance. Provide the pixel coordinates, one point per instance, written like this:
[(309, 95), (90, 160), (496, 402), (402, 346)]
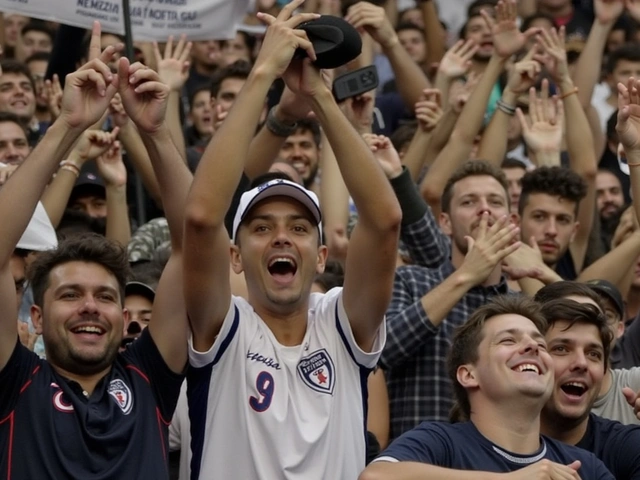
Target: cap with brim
[(277, 188), (609, 290), (39, 235), (139, 288), (335, 41)]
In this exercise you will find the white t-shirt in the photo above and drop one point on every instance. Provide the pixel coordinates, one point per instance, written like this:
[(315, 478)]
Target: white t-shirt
[(599, 98), (261, 410)]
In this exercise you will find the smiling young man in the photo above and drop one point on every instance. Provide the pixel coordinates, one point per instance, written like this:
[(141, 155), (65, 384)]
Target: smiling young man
[(278, 384), (87, 411), (579, 340), (502, 376)]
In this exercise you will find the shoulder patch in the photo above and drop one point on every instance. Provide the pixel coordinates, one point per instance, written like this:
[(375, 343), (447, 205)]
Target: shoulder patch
[(317, 371)]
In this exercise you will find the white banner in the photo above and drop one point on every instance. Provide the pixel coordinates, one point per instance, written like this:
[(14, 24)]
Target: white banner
[(150, 19)]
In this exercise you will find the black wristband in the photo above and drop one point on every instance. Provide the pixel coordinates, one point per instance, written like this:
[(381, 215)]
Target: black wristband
[(278, 128), (412, 204)]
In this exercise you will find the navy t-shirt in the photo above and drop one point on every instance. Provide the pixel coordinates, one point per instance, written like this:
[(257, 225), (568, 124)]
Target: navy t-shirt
[(460, 446), (617, 445), (50, 430)]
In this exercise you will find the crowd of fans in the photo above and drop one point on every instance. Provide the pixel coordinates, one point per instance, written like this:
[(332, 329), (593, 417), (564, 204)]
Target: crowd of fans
[(451, 260)]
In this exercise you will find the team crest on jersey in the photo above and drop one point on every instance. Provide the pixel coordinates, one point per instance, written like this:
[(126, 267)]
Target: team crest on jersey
[(122, 395), (317, 371)]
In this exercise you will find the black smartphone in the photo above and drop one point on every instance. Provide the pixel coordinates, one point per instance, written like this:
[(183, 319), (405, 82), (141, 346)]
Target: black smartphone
[(355, 83)]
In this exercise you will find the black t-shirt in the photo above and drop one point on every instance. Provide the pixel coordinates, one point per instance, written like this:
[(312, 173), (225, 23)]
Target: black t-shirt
[(50, 430), (565, 267), (626, 352), (617, 445)]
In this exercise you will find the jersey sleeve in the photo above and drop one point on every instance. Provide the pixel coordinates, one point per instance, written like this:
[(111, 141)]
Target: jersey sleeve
[(14, 376), (227, 333), (144, 354), (427, 443), (333, 300)]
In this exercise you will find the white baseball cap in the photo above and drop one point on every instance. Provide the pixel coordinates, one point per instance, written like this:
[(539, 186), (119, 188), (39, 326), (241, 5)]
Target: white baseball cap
[(278, 187)]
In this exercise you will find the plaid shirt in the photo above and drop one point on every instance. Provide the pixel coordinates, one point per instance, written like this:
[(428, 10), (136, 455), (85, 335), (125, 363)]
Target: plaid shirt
[(415, 354), (426, 243)]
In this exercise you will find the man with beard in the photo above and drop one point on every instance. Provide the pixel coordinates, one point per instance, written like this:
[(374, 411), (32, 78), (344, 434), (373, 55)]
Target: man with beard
[(548, 209), (87, 412), (302, 151), (429, 303), (610, 203), (579, 341)]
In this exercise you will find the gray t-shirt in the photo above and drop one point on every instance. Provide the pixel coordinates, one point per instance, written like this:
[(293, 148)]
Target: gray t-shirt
[(613, 405)]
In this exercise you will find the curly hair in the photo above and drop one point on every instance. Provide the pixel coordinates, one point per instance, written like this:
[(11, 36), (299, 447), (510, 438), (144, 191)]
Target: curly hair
[(555, 181)]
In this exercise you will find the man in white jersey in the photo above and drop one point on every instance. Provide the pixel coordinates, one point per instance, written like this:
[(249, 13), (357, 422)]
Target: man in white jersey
[(278, 388)]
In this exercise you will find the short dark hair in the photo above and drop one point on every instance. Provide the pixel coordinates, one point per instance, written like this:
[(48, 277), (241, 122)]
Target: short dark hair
[(17, 68), (555, 181), (472, 168), (203, 87), (239, 69), (612, 122), (333, 276), (526, 23), (249, 40), (462, 34), (629, 52), (88, 247), (510, 162), (38, 57), (475, 7), (310, 125), (409, 26), (467, 339), (563, 309), (37, 26), (564, 289), (10, 117)]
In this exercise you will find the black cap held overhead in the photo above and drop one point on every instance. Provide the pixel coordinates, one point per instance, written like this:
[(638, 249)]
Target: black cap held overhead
[(334, 40)]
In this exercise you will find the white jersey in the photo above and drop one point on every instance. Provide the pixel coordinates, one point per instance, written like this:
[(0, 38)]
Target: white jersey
[(261, 410)]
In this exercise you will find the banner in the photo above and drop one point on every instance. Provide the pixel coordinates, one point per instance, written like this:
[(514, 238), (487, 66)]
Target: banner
[(150, 19)]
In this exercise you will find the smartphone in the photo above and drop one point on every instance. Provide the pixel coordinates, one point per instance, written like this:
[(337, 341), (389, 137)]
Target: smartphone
[(355, 83)]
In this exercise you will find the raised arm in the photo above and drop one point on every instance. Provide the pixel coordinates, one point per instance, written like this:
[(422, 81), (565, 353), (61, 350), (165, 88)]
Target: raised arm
[(582, 156), (86, 97), (145, 100), (371, 256), (410, 79), (628, 128), (206, 242)]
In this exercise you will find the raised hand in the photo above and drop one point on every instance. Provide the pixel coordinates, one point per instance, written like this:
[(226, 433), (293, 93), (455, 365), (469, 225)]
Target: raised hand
[(53, 92), (544, 134), (524, 73), (116, 110), (282, 40), (88, 90), (490, 247), (359, 111), (627, 225), (384, 152), (461, 91), (633, 7), (92, 144), (555, 55), (628, 126), (507, 38), (143, 95), (429, 109), (111, 167), (608, 11), (173, 67), (457, 61), (373, 20)]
